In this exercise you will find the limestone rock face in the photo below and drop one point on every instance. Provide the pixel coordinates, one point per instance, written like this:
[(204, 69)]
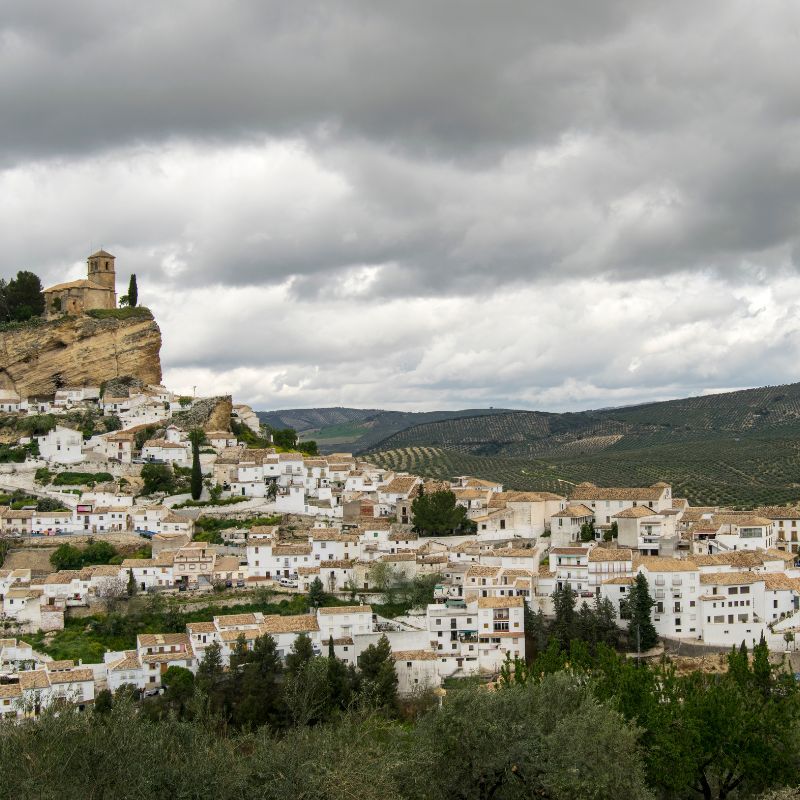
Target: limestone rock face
[(40, 358)]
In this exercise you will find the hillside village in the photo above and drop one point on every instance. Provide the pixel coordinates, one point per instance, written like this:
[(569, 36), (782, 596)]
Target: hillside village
[(717, 577)]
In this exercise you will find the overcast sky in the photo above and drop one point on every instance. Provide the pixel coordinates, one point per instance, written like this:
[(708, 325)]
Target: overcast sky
[(424, 204)]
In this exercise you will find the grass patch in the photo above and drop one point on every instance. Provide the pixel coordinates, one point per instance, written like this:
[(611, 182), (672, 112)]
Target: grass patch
[(227, 501), (81, 478), (138, 312)]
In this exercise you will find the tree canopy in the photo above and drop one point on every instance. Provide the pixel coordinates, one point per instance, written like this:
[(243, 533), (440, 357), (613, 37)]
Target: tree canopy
[(21, 298), (437, 513)]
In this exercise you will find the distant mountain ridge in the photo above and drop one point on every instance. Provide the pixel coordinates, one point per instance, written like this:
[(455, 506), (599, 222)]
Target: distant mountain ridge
[(740, 448), (542, 434)]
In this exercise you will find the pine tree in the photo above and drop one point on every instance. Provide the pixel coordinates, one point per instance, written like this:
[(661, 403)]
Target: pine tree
[(133, 292)]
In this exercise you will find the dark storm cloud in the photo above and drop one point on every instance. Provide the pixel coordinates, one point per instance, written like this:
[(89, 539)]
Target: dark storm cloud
[(553, 203)]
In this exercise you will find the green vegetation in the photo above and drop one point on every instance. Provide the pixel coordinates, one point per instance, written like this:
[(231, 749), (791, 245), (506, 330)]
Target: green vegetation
[(196, 436), (214, 524), (286, 439), (80, 478), (21, 298), (87, 638), (158, 478), (19, 499), (745, 473), (67, 556), (739, 448), (578, 720), (637, 607), (139, 312), (225, 501), (132, 298), (436, 514), (11, 454), (244, 434)]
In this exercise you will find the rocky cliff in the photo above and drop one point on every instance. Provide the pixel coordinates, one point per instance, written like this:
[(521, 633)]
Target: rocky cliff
[(37, 358)]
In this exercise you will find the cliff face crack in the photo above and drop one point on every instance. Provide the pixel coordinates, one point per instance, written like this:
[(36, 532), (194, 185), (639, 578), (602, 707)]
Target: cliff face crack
[(79, 351)]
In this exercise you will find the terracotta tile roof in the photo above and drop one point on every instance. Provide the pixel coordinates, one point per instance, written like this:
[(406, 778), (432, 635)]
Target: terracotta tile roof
[(414, 655), (512, 552), (482, 571), (159, 639), (588, 491), (574, 511), (619, 581), (10, 691), (736, 558), (235, 620), (501, 499), (569, 551), (291, 550), (297, 623), (33, 679), (664, 564), (635, 512), (331, 610), (201, 627), (79, 675), (730, 578), (500, 602), (778, 512), (610, 554), (402, 484)]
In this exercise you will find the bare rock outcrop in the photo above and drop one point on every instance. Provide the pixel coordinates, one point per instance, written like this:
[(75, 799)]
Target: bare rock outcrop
[(40, 357)]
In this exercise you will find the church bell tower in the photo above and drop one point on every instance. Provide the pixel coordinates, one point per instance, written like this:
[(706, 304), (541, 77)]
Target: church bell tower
[(101, 270)]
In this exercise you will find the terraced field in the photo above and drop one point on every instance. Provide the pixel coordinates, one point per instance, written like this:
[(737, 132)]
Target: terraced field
[(536, 434), (742, 472)]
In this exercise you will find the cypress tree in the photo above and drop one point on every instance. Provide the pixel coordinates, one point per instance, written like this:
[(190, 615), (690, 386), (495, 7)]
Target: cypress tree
[(196, 437), (133, 292)]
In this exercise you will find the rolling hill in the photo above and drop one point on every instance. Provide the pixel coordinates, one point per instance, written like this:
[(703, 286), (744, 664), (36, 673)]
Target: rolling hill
[(740, 448), (356, 429)]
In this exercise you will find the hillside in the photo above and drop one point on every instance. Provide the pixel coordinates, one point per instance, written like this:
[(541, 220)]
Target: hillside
[(536, 434), (356, 429), (740, 448)]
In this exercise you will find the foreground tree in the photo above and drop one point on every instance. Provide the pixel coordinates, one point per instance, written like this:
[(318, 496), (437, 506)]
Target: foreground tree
[(540, 740), (378, 675)]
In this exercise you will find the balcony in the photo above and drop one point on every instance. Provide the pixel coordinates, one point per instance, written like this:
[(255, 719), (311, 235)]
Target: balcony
[(500, 626)]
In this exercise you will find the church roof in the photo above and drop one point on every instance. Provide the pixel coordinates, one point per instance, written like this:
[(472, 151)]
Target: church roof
[(101, 254), (79, 284)]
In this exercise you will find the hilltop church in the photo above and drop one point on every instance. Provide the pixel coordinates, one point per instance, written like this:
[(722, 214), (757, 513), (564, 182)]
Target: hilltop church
[(98, 290)]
